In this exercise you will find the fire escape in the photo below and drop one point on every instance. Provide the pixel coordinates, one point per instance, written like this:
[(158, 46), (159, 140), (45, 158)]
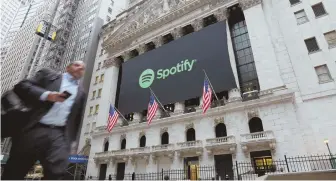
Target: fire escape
[(65, 23)]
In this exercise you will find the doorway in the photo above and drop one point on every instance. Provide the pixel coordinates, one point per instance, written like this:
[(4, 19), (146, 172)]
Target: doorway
[(262, 162), (191, 166), (224, 165), (102, 171), (121, 171)]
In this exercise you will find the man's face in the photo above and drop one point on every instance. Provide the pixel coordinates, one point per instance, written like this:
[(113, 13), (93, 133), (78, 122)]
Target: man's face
[(77, 69)]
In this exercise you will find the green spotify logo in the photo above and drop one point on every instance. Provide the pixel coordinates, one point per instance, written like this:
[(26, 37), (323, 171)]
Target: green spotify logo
[(147, 77)]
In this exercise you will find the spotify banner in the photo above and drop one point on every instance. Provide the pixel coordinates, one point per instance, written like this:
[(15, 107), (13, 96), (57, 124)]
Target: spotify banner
[(174, 71)]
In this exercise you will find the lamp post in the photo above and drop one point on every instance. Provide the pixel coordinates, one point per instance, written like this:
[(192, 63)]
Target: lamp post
[(332, 161)]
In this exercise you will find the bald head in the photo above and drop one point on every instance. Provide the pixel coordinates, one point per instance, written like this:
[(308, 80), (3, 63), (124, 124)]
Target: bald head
[(76, 69)]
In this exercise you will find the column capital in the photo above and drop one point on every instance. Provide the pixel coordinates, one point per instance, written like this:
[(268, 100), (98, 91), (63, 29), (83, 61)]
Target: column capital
[(197, 24), (141, 49), (157, 41), (246, 4), (111, 62), (126, 55), (177, 33), (221, 14)]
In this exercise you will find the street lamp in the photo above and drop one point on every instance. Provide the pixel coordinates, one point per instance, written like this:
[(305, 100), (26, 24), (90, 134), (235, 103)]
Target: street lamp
[(326, 141)]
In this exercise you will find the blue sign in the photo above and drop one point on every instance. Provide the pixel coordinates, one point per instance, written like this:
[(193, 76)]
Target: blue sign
[(78, 159)]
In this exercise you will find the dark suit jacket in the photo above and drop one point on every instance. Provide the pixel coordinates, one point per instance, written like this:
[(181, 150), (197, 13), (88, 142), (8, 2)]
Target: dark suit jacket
[(30, 90)]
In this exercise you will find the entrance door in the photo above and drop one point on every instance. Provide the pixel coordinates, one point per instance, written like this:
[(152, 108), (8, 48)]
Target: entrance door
[(102, 171), (191, 165), (223, 164), (262, 162), (121, 171)]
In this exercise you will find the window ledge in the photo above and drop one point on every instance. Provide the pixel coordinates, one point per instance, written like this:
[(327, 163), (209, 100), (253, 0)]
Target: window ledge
[(316, 17), (296, 4), (327, 81), (302, 23), (332, 46), (92, 99), (316, 51)]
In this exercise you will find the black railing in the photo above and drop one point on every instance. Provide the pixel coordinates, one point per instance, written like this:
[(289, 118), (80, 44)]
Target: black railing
[(238, 171)]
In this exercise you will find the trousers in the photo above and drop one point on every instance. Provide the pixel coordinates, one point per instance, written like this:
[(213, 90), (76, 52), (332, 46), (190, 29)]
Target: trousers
[(43, 143)]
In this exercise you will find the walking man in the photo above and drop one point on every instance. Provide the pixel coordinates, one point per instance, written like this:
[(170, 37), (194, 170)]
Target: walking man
[(52, 128)]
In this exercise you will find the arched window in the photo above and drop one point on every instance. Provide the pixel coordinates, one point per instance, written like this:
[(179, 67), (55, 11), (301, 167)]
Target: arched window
[(106, 146), (220, 130), (164, 138), (143, 141), (123, 144), (191, 136), (255, 125)]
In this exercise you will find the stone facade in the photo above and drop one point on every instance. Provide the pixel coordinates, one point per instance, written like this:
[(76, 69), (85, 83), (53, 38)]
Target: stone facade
[(297, 112)]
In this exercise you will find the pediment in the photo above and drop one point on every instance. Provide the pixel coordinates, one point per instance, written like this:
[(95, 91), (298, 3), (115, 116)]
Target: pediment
[(147, 14)]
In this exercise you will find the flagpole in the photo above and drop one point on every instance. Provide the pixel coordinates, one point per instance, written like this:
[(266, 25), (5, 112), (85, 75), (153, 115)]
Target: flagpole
[(118, 112), (159, 101), (121, 114), (213, 90)]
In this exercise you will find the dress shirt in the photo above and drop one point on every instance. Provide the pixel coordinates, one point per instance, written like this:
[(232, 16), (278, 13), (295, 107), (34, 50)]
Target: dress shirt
[(59, 112)]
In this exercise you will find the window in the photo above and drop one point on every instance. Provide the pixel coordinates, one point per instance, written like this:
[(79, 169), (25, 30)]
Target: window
[(99, 64), (87, 128), (93, 126), (99, 92), (312, 45), (323, 74), (319, 10), (293, 2), (108, 18), (301, 17), (93, 94), (109, 10), (97, 78), (101, 77), (331, 38), (91, 110), (97, 109)]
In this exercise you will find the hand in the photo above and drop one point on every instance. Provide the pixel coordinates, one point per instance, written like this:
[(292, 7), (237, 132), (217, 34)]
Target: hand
[(55, 97)]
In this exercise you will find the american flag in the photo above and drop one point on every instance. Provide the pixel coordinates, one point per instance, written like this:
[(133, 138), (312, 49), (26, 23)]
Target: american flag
[(152, 108), (207, 94), (112, 118)]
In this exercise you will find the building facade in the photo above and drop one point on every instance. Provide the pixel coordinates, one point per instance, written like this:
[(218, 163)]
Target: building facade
[(282, 56), (24, 46), (79, 24), (25, 12), (8, 13)]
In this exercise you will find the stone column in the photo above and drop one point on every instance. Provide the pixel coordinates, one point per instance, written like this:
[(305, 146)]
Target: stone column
[(126, 55), (197, 24), (231, 54), (158, 41), (179, 108), (108, 91), (234, 95), (221, 14), (261, 43), (177, 33), (137, 117), (158, 113), (141, 49)]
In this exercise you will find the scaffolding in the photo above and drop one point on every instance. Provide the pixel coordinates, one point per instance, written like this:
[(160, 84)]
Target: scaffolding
[(65, 22), (77, 169)]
